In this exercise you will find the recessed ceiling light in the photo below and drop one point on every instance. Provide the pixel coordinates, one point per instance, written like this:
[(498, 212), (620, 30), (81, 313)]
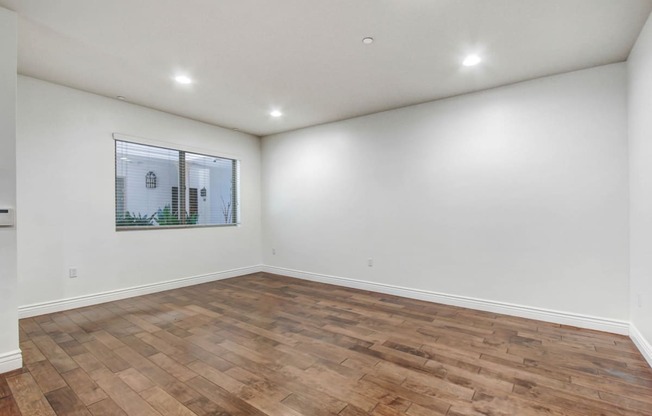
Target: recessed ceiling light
[(368, 40), (182, 79), (471, 60), (120, 97), (276, 113)]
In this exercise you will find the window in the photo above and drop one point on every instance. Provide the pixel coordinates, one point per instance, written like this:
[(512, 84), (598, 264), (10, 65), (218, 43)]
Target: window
[(160, 187)]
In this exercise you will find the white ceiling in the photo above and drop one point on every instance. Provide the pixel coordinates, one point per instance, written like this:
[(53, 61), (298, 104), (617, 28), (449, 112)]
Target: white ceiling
[(306, 57)]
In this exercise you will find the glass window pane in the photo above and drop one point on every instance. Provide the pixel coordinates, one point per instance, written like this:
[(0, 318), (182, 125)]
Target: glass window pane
[(148, 191), (214, 179)]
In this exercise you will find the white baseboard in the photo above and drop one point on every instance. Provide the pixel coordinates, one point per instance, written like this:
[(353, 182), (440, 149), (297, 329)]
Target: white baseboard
[(96, 298), (565, 318), (641, 343), (9, 361)]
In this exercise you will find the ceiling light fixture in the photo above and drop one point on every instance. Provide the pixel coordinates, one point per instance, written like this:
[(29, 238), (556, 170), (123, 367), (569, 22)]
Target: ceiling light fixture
[(276, 113), (120, 97), (368, 40), (182, 79), (471, 60)]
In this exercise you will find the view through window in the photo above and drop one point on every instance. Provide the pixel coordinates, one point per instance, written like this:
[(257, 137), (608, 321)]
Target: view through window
[(161, 187)]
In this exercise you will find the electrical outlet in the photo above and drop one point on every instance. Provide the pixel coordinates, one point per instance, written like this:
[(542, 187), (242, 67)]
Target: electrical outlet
[(370, 262), (273, 252), (72, 272)]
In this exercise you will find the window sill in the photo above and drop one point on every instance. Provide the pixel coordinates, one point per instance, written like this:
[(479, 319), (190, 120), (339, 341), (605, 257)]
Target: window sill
[(172, 227)]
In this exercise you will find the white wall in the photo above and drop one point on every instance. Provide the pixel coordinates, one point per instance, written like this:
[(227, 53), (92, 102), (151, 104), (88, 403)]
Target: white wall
[(517, 194), (9, 359), (66, 193), (640, 156)]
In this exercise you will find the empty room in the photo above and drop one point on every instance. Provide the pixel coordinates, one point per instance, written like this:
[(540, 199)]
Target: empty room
[(312, 208)]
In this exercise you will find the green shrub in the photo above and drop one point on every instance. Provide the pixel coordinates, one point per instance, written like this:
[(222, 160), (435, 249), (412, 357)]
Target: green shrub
[(165, 217), (133, 220)]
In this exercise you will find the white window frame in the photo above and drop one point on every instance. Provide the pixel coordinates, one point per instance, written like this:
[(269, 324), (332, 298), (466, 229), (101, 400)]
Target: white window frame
[(118, 137)]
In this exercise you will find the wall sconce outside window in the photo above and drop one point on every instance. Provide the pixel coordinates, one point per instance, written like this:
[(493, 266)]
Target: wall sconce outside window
[(150, 180), (202, 192)]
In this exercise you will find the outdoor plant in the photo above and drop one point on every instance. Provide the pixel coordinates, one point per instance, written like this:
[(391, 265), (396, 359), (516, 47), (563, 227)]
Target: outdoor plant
[(165, 216), (226, 210), (133, 220), (192, 218)]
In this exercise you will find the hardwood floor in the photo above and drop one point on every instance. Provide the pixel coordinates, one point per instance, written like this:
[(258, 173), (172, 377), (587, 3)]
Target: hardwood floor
[(271, 345)]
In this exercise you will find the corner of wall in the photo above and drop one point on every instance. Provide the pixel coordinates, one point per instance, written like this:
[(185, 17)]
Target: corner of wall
[(10, 357), (641, 343), (639, 105)]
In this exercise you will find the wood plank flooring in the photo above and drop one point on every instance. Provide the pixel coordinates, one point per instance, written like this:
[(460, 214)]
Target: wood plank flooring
[(271, 345)]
